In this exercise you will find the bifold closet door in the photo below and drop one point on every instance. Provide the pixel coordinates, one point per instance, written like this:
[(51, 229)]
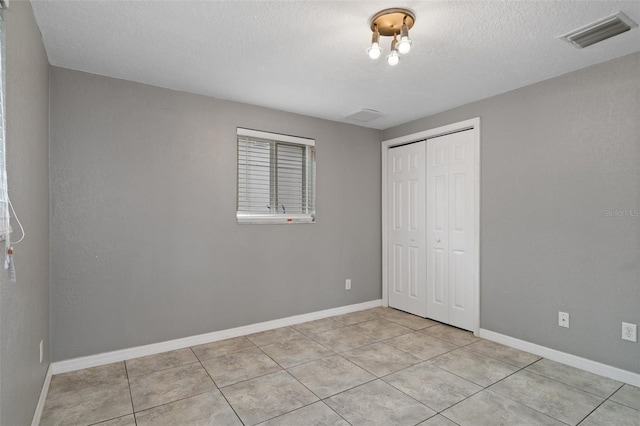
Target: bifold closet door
[(450, 229), (407, 232)]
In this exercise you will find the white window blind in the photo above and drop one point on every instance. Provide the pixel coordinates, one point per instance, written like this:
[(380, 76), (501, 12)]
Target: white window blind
[(276, 178), (5, 228)]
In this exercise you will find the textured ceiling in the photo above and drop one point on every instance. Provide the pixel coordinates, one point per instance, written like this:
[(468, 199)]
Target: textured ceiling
[(309, 57)]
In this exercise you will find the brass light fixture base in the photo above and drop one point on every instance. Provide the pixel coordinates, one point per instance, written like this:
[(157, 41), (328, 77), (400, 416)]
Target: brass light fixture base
[(389, 21)]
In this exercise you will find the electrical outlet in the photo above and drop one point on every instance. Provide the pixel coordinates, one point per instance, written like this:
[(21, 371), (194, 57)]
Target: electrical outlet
[(563, 319), (629, 332), (41, 351), (347, 284)]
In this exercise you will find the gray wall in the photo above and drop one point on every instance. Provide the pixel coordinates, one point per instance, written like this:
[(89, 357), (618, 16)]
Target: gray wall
[(145, 243), (24, 306), (555, 156)]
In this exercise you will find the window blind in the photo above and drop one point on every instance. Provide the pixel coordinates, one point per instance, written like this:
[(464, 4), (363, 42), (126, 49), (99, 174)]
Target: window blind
[(5, 228), (276, 178)]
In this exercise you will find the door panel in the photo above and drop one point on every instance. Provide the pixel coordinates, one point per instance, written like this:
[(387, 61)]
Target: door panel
[(458, 203), (457, 262), (450, 229), (397, 266), (407, 235), (415, 263), (438, 269), (414, 201), (439, 203), (437, 230), (397, 205)]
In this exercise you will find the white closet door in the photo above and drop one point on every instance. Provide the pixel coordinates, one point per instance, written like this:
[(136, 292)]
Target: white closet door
[(406, 251), (450, 234)]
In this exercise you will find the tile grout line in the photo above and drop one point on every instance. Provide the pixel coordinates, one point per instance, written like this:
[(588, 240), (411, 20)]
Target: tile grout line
[(303, 385), (440, 412), (572, 386), (272, 372), (621, 403), (475, 393), (406, 394), (591, 412), (246, 380), (296, 379), (549, 378), (469, 380), (468, 347), (133, 410), (602, 403), (320, 400), (308, 333), (371, 372), (225, 354), (163, 369), (304, 362), (316, 395), (518, 402), (176, 400), (423, 360), (459, 376), (309, 361), (185, 397), (217, 388), (371, 381)]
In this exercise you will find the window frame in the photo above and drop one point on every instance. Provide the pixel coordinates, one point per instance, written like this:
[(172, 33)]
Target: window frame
[(308, 190)]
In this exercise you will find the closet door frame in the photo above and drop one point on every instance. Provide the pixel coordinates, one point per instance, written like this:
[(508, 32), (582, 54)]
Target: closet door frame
[(471, 124)]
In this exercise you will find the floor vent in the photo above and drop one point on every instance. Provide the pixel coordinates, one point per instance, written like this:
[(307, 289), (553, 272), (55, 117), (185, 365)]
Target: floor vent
[(599, 30)]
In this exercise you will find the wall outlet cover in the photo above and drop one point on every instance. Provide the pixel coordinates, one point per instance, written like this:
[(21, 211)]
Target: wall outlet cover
[(629, 332), (563, 319), (347, 284)]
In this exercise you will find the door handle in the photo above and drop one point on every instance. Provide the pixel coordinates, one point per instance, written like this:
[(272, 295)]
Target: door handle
[(438, 240)]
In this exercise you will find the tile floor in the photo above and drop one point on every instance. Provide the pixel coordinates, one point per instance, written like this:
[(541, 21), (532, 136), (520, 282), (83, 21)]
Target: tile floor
[(374, 367)]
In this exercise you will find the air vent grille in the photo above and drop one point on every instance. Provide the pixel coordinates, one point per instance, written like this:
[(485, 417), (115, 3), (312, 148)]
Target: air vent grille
[(363, 115), (599, 30)]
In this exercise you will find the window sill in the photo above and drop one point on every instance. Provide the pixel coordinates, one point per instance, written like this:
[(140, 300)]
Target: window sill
[(256, 219)]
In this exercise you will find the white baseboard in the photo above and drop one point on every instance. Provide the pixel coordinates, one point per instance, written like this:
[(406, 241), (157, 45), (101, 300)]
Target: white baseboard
[(564, 358), (43, 397), (155, 348)]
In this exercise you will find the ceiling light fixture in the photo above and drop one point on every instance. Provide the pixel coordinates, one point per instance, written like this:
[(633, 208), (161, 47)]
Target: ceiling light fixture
[(391, 23)]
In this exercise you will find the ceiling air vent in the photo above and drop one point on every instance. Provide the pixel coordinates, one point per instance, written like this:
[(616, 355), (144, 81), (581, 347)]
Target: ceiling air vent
[(363, 115), (599, 30)]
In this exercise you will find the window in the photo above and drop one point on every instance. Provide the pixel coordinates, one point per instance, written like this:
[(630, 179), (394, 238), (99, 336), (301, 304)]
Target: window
[(276, 178)]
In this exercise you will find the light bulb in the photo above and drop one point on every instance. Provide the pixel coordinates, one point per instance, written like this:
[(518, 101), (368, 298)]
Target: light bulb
[(404, 45), (374, 51), (393, 58)]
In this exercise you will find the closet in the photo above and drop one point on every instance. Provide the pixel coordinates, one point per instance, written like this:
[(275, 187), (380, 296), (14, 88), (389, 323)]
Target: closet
[(431, 227)]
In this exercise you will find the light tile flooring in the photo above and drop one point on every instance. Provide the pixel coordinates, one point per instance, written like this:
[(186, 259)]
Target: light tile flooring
[(374, 367)]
